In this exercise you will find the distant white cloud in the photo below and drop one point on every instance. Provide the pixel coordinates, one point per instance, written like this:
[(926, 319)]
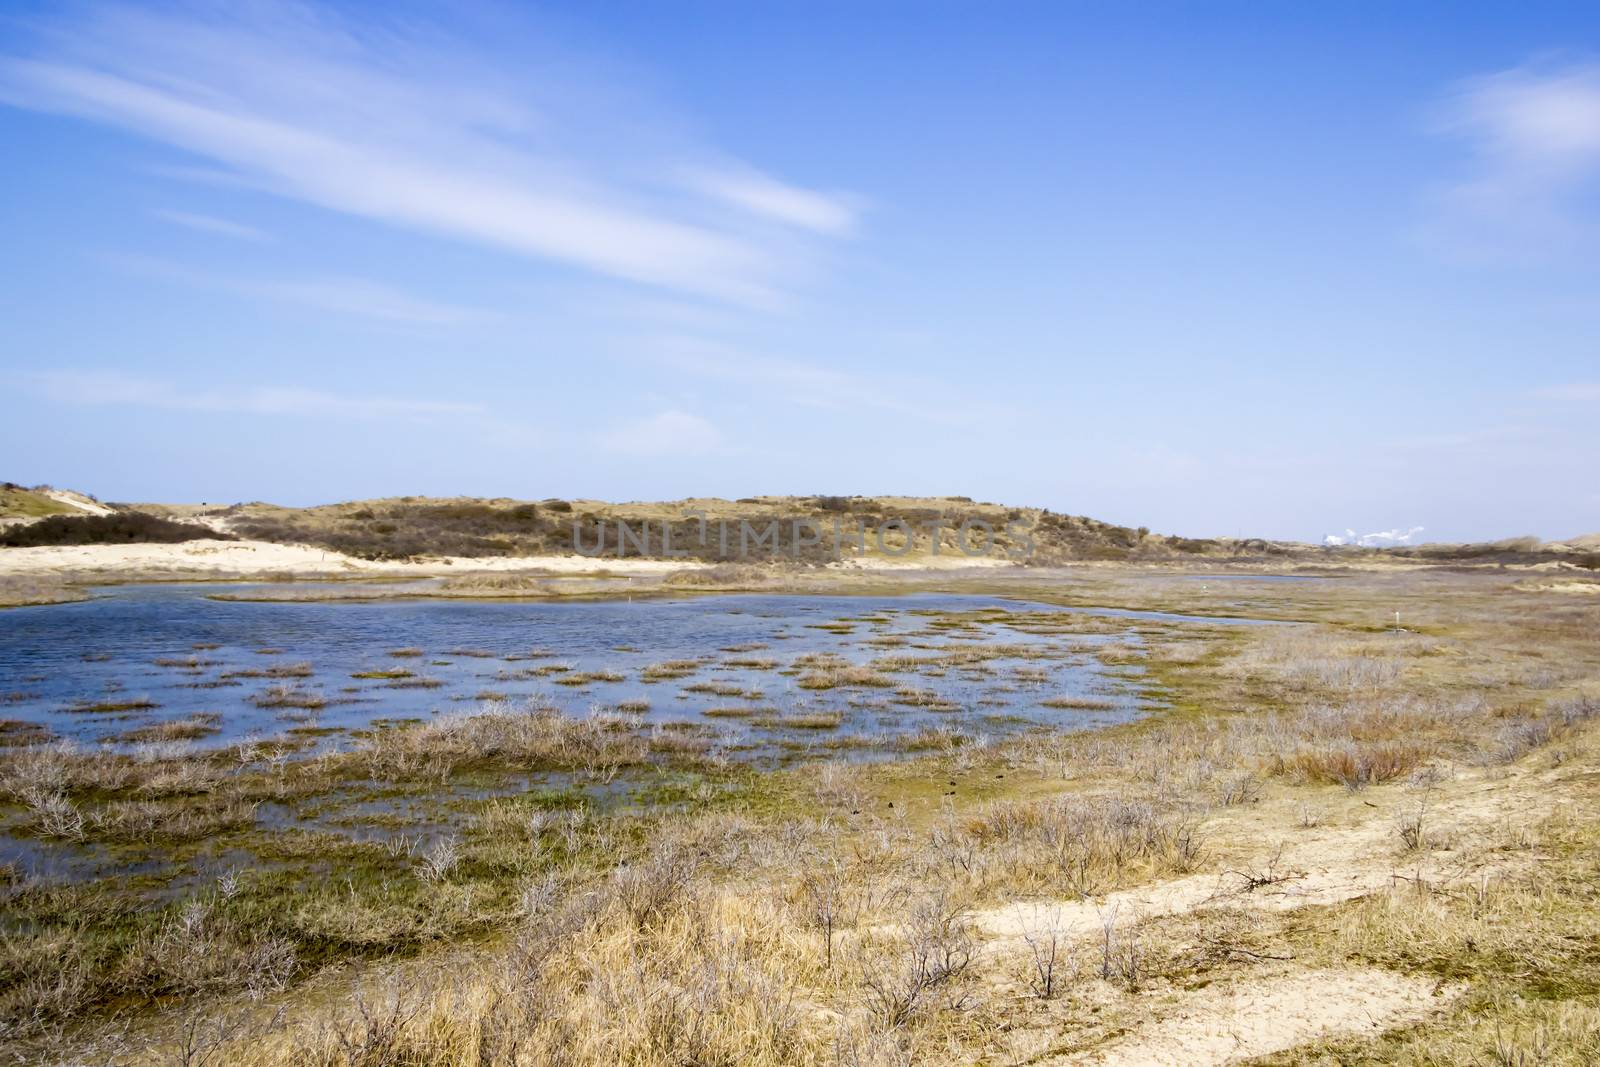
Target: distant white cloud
[(1381, 539), (1534, 133), (212, 225), (666, 434), (387, 121), (114, 389)]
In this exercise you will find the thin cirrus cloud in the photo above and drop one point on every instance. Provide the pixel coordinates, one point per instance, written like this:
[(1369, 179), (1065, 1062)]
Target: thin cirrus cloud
[(209, 224), (815, 385), (364, 298), (356, 297), (1534, 137), (666, 433), (1582, 392), (762, 195), (384, 123), (117, 390)]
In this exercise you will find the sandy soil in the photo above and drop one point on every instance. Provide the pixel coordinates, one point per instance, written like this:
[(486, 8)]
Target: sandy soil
[(1221, 1025), (1275, 867), (243, 559), (77, 501), (945, 561), (209, 558), (1582, 588)]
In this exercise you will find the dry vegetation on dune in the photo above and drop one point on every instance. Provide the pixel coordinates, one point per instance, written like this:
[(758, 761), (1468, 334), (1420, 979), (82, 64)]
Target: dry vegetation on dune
[(1339, 844), (408, 527), (18, 503), (119, 528), (412, 527)]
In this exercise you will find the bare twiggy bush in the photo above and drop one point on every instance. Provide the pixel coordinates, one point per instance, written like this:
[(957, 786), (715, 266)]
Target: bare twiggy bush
[(1048, 951), (650, 888), (869, 1046), (52, 813), (1119, 950), (539, 896), (1410, 825), (202, 1039), (1243, 788), (376, 1033), (923, 972), (402, 846), (823, 887), (436, 864)]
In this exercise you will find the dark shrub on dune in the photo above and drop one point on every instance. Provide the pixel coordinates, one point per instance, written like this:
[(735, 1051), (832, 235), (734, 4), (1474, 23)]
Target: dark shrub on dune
[(122, 528)]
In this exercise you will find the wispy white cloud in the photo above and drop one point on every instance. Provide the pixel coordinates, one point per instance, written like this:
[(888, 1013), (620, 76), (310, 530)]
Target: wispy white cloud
[(1534, 135), (763, 195), (665, 434), (360, 297), (815, 384), (802, 381), (212, 225), (117, 390), (384, 122)]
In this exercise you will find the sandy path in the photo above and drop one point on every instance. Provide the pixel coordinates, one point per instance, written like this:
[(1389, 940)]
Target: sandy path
[(1274, 1007), (1267, 1014), (1313, 867)]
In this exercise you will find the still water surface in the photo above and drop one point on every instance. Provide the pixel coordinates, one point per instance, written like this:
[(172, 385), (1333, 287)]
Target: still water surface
[(68, 667)]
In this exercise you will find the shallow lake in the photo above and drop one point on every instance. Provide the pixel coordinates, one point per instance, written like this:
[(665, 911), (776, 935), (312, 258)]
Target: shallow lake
[(742, 667)]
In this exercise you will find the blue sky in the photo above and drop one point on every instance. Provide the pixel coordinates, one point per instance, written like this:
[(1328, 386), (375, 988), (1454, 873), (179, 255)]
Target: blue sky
[(1214, 269)]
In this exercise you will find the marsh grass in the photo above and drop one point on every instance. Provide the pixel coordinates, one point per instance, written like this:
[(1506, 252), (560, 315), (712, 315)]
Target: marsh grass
[(184, 662), (277, 670), (798, 720), (847, 676), (669, 670), (751, 663), (410, 681), (112, 707), (919, 697), (1080, 703), (288, 696), (190, 728), (820, 916), (581, 678), (19, 732)]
